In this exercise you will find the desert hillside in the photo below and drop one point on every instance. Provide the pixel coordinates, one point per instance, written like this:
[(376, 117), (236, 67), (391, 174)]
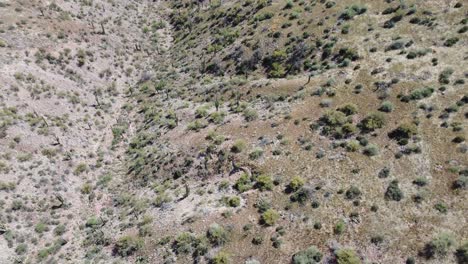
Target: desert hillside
[(240, 131)]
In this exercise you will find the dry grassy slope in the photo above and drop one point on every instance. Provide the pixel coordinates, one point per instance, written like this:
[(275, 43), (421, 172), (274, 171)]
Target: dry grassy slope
[(181, 152), (155, 109)]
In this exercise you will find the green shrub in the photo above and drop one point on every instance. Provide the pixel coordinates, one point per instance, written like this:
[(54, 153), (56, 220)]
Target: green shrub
[(220, 258), (264, 183), (238, 146), (352, 145), (59, 230), (347, 256), (393, 192), (386, 107), (460, 183), (348, 109), (217, 235), (353, 11), (256, 154), (420, 181), (421, 93), (262, 205), (372, 122), (371, 150), (295, 183), (7, 186), (339, 227), (399, 44), (404, 131), (244, 183), (451, 41), (197, 125), (384, 172), (21, 249), (93, 222), (441, 207), (250, 114), (217, 117), (444, 76), (257, 240), (234, 201), (277, 70), (80, 169), (417, 53), (161, 199), (353, 193), (334, 118), (269, 217), (41, 228), (309, 256), (439, 246), (461, 253), (301, 196), (127, 245), (183, 243)]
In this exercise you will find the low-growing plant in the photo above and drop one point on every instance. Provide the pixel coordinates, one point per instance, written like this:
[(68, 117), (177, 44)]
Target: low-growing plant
[(461, 254), (217, 235), (393, 192), (238, 146), (386, 107), (244, 183), (264, 183), (340, 227), (371, 150), (295, 183), (353, 193), (372, 122), (127, 245), (310, 255), (347, 256), (439, 246), (269, 217)]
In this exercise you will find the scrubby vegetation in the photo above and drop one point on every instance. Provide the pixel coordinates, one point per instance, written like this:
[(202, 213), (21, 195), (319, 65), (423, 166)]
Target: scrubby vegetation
[(240, 131)]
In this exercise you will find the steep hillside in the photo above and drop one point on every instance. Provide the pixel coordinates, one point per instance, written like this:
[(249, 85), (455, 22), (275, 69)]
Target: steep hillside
[(233, 131)]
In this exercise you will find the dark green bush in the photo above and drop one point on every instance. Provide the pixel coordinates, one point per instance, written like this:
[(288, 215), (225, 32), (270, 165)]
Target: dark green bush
[(404, 131), (394, 192), (462, 253), (353, 11), (348, 109), (439, 246), (244, 183), (353, 193), (301, 196), (451, 41)]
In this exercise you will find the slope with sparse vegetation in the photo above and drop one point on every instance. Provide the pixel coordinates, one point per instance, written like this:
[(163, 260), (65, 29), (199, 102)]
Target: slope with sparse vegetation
[(244, 131)]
